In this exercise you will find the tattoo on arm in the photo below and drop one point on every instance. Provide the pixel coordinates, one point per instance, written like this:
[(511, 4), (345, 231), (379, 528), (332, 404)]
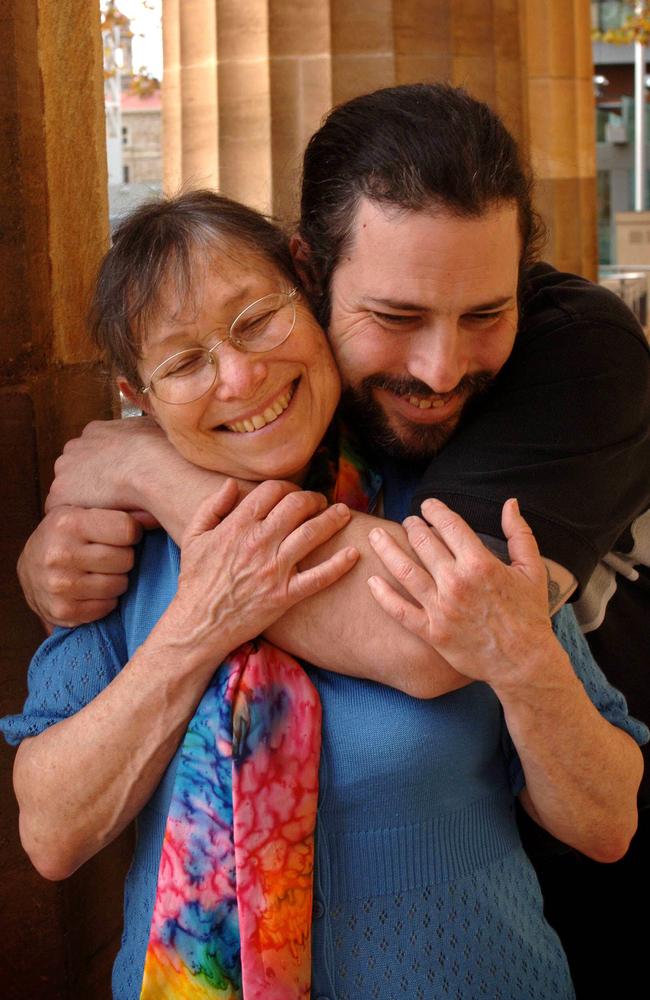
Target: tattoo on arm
[(556, 596)]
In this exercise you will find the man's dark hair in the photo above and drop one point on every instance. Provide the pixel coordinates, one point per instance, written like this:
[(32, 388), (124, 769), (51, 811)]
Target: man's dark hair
[(415, 147), (157, 244)]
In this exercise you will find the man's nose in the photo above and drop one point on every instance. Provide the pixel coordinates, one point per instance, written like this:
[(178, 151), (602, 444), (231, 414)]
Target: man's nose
[(239, 375), (438, 356)]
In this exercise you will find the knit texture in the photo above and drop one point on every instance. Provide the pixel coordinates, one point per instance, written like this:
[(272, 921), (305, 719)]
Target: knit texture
[(422, 889)]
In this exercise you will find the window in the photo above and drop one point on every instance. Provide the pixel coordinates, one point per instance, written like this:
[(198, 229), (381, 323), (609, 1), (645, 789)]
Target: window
[(125, 173), (607, 15), (125, 135)]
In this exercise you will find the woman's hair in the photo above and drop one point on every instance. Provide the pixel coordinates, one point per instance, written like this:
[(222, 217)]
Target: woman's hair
[(157, 246), (417, 147)]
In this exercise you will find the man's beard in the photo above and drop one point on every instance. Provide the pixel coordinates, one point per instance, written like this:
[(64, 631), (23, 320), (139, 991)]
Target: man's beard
[(407, 441)]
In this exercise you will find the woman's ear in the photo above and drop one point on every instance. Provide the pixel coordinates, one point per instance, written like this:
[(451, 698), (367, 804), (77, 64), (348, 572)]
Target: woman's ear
[(137, 399)]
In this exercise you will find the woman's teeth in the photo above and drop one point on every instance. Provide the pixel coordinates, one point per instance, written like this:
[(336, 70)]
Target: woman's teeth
[(259, 420)]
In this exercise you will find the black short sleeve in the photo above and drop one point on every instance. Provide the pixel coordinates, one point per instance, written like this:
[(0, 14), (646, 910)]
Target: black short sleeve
[(565, 428)]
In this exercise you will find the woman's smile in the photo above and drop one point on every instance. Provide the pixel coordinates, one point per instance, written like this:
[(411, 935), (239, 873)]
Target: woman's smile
[(267, 413)]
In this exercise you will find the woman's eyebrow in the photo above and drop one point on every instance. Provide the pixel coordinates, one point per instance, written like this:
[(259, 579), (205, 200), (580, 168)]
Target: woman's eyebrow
[(238, 300)]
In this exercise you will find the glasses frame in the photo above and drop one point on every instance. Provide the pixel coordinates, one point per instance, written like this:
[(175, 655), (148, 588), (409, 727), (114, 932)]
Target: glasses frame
[(291, 296)]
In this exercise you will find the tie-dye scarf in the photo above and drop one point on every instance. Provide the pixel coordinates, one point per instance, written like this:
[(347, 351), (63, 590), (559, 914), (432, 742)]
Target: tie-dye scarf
[(232, 915)]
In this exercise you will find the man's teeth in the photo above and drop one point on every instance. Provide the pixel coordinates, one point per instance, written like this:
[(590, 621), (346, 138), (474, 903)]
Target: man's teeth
[(270, 414), (426, 404)]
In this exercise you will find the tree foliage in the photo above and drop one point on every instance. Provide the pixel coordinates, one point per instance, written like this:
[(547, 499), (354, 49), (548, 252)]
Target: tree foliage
[(142, 83), (635, 26)]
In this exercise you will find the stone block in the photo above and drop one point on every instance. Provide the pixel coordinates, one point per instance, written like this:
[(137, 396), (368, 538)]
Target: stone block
[(423, 69), (299, 28), (354, 75), (552, 121), (242, 29), (360, 28), (422, 29)]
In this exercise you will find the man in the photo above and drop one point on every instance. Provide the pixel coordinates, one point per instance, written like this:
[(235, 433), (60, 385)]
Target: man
[(470, 375)]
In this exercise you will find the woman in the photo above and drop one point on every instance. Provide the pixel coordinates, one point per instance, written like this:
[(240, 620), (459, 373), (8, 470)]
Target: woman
[(424, 864)]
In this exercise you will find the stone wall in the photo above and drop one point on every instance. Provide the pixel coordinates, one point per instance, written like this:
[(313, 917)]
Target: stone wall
[(246, 84), (56, 941)]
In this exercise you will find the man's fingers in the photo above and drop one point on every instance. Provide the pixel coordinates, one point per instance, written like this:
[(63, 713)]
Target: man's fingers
[(108, 527), (313, 532), (69, 614), (399, 608), (312, 581), (213, 509), (522, 547), (418, 582), (98, 586), (95, 558)]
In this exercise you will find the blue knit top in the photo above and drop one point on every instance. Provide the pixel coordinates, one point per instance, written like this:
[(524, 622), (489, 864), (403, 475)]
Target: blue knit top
[(422, 887)]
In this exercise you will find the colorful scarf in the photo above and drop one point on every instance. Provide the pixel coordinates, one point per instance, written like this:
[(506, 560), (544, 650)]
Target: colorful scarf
[(232, 915)]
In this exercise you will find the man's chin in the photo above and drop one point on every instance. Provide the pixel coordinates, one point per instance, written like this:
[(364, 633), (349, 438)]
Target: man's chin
[(395, 437)]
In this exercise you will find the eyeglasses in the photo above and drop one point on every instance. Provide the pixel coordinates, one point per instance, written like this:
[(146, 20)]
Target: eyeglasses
[(264, 324)]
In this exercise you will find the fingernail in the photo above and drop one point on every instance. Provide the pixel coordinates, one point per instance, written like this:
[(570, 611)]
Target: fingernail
[(375, 535), (515, 504), (341, 509)]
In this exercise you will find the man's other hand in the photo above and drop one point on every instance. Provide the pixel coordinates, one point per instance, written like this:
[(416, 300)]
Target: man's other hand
[(75, 565)]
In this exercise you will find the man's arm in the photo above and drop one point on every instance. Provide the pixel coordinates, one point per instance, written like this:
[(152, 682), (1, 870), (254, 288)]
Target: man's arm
[(581, 773), (130, 465)]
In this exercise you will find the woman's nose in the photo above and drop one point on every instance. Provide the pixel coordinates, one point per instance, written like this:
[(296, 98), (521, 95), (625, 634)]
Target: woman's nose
[(239, 375)]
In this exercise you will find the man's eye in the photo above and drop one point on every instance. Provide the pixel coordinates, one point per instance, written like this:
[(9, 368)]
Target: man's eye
[(483, 320), (393, 319)]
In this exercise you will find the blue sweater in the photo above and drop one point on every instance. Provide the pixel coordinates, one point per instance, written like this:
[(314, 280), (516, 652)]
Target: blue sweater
[(422, 887)]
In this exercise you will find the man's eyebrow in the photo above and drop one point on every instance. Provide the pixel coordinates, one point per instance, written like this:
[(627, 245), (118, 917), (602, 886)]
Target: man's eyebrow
[(399, 304)]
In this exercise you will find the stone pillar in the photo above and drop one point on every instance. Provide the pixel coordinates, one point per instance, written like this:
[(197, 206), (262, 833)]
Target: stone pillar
[(172, 135), (476, 44), (562, 129), (56, 940), (282, 63)]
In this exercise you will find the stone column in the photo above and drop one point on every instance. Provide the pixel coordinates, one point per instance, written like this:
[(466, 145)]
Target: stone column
[(282, 63), (172, 135), (56, 941), (562, 129), (476, 44)]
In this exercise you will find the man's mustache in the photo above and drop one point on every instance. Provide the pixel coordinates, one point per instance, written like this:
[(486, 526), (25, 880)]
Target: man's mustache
[(469, 385)]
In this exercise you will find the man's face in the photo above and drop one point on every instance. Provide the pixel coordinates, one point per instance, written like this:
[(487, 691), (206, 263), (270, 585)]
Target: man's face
[(423, 316)]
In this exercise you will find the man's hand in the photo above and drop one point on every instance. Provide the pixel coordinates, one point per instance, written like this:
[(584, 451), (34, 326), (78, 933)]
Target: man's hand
[(75, 565)]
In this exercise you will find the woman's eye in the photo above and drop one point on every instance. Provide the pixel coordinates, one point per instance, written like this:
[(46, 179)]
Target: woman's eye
[(184, 366)]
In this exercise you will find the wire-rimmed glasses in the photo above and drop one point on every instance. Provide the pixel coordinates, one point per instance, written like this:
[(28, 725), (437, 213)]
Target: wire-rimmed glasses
[(187, 375)]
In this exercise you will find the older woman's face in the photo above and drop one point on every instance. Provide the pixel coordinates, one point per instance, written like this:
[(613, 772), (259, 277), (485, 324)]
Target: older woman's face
[(296, 382)]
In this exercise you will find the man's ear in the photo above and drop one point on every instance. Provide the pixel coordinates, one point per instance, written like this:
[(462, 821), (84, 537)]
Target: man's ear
[(302, 259), (137, 399)]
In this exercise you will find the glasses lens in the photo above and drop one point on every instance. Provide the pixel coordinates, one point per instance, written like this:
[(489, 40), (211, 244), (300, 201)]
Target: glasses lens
[(264, 324), (184, 377)]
